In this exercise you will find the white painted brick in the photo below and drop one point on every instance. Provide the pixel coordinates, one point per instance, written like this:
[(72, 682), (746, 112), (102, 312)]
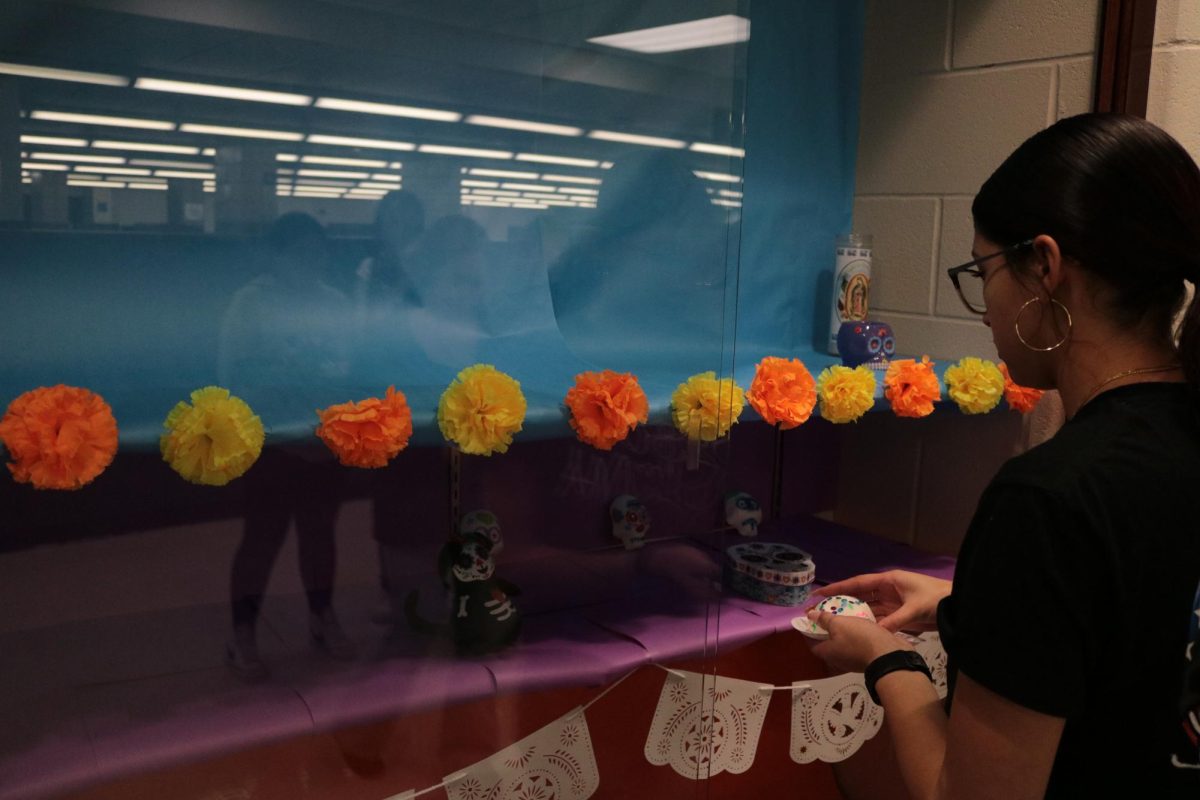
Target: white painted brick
[(904, 38), (957, 236), (902, 229), (1003, 31), (1177, 21), (1172, 101), (1075, 87), (945, 134), (941, 339)]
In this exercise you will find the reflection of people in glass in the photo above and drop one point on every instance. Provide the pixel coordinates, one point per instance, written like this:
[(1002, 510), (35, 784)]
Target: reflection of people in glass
[(384, 283), (451, 273), (282, 340), (652, 270)]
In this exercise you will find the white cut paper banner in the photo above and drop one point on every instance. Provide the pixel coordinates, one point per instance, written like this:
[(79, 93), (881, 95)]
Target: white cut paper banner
[(831, 718), (706, 724), (555, 763), (929, 645)]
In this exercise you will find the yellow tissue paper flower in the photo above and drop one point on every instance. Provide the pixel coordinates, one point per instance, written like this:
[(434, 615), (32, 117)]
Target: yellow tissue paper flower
[(846, 394), (704, 408), (213, 440), (976, 384), (481, 409)]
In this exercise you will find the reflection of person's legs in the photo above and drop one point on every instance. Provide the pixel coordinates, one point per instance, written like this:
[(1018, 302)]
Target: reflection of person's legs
[(316, 521), (265, 527)]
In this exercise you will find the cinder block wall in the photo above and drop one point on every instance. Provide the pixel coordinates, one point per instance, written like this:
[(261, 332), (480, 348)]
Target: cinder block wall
[(950, 88), (1174, 101)]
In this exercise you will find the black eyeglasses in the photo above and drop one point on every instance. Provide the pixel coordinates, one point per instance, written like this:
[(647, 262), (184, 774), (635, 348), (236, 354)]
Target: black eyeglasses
[(968, 278)]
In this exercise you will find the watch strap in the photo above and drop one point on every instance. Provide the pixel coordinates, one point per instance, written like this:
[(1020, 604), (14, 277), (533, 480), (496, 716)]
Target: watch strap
[(909, 660)]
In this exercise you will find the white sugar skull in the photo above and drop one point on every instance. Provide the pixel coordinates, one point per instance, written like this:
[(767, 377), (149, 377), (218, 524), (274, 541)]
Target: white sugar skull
[(484, 524), (473, 561), (743, 512), (630, 521)]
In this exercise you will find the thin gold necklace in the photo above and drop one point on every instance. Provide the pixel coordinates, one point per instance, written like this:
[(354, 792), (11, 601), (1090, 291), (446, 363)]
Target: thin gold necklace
[(1126, 374)]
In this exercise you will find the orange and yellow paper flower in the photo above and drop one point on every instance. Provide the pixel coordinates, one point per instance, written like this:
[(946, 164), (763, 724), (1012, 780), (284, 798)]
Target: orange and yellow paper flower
[(605, 407), (481, 410), (58, 437), (911, 387), (214, 440), (368, 433), (1019, 398), (704, 408), (846, 394), (783, 392), (975, 384)]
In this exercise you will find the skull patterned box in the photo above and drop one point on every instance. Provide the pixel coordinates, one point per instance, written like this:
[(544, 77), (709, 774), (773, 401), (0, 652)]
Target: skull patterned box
[(770, 572)]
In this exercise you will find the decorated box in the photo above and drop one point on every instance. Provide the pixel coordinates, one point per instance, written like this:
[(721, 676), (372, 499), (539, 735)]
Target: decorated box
[(769, 572)]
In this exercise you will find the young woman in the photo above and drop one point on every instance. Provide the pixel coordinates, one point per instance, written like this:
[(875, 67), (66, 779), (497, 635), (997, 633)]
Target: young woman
[(1067, 625)]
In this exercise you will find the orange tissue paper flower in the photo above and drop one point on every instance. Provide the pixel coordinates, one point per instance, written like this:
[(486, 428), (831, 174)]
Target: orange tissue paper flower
[(911, 387), (1019, 398), (605, 407), (59, 437), (783, 392), (368, 433)]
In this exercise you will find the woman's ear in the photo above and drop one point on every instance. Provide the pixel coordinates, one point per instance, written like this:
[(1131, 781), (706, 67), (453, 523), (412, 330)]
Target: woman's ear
[(1048, 263)]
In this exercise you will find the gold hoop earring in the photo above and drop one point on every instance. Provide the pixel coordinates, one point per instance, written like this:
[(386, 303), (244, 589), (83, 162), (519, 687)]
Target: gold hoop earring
[(1056, 345)]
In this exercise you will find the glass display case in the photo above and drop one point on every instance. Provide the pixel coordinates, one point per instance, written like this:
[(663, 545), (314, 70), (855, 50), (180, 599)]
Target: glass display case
[(424, 329)]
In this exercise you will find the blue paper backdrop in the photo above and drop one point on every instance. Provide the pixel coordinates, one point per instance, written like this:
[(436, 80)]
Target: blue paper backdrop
[(657, 279)]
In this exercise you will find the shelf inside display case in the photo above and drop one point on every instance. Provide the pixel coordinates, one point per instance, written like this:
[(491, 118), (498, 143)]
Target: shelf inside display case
[(590, 617)]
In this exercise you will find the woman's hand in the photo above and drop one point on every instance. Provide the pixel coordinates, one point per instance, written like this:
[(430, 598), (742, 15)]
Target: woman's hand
[(900, 600), (853, 642)]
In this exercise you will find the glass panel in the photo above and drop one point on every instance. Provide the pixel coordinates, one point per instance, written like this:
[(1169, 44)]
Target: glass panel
[(306, 203)]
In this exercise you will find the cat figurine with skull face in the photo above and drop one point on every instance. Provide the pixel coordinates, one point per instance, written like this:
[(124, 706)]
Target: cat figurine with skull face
[(483, 617)]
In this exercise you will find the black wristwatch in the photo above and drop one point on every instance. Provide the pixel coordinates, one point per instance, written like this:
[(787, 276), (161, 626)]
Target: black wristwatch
[(890, 662)]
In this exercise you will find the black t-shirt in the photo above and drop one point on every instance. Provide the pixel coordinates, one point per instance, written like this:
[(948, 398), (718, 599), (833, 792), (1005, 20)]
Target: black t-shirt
[(1074, 590)]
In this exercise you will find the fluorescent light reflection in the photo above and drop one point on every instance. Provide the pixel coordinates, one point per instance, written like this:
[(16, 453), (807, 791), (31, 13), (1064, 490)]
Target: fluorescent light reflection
[(54, 141), (344, 162), (567, 160), (112, 170), (166, 173), (44, 167), (248, 133), (149, 162), (709, 32), (571, 179), (523, 125), (329, 173), (502, 173), (99, 119), (78, 157), (469, 152), (226, 92), (55, 74), (717, 149), (387, 109), (355, 141), (717, 176), (633, 138), (147, 147)]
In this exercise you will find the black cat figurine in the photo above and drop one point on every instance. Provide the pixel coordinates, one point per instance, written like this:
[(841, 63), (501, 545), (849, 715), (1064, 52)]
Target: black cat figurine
[(483, 617)]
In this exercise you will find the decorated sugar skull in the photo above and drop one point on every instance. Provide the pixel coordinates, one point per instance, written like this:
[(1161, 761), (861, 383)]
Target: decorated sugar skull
[(630, 521), (743, 512), (866, 342), (842, 605), (472, 559), (484, 524)]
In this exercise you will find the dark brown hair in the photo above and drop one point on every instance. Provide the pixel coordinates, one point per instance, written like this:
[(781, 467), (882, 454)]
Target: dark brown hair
[(1122, 198)]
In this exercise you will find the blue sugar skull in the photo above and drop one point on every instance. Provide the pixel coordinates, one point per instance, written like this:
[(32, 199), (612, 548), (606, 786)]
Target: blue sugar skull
[(743, 513), (866, 342)]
